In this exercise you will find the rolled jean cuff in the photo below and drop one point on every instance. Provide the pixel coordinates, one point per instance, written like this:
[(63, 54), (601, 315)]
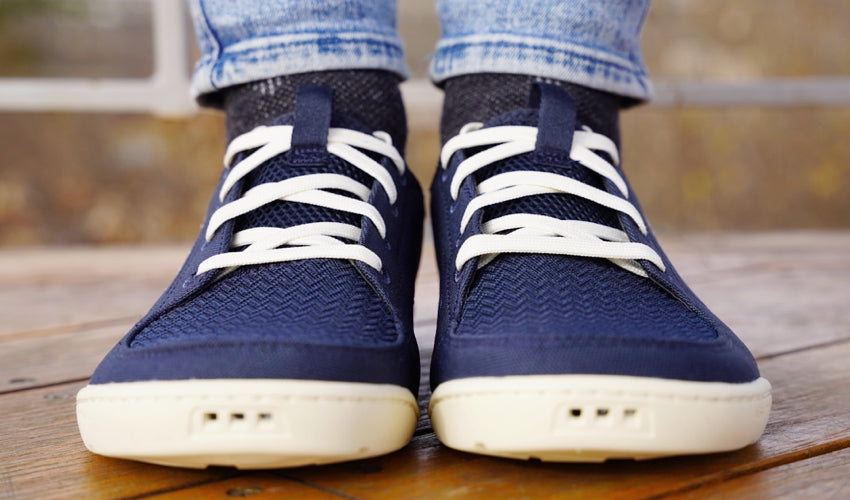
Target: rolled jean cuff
[(267, 57), (543, 57)]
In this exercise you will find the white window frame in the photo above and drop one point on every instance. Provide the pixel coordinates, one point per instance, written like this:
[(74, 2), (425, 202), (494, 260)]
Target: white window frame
[(164, 93)]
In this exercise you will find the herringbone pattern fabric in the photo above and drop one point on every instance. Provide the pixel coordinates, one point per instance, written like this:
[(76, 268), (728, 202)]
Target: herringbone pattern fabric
[(553, 205), (523, 314), (288, 214), (322, 301), (555, 295), (319, 301), (572, 296)]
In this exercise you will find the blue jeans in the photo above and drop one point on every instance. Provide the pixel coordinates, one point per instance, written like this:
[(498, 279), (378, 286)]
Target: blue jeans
[(594, 43)]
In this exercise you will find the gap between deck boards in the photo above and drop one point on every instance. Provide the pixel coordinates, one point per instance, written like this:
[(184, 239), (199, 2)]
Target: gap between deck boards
[(805, 360)]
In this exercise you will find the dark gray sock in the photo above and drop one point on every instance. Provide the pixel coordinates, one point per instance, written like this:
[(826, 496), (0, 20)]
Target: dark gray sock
[(369, 96), (483, 96)]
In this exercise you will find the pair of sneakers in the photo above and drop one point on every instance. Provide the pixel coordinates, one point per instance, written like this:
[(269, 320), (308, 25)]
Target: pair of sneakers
[(286, 339)]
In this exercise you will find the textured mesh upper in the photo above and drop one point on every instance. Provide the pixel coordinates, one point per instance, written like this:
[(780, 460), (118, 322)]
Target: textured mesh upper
[(554, 294), (561, 206), (553, 205), (315, 300), (286, 213)]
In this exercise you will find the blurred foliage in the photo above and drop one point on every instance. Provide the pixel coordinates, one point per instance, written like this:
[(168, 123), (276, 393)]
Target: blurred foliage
[(85, 38), (11, 10), (16, 52)]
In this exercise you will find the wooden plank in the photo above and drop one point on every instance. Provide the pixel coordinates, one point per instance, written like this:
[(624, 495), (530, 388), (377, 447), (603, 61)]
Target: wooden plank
[(57, 306), (68, 351), (72, 354), (742, 277), (824, 476), (770, 287), (42, 455), (52, 358), (744, 281), (427, 297), (812, 400), (53, 288), (40, 438), (258, 485), (40, 265)]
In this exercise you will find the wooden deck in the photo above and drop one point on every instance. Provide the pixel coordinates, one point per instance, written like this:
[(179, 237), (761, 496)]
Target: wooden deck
[(786, 294)]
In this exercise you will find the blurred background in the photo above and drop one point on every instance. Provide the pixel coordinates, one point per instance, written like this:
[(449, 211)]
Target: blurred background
[(92, 178)]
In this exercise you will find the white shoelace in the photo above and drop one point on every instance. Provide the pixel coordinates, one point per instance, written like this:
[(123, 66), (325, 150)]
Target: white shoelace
[(316, 240), (534, 233)]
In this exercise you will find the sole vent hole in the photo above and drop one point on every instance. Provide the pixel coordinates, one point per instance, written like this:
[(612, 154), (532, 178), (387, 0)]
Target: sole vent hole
[(601, 412), (210, 417), (629, 412), (575, 412), (264, 417), (237, 416)]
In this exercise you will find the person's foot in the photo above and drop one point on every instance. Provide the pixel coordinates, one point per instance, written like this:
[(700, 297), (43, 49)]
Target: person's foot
[(286, 339), (564, 332)]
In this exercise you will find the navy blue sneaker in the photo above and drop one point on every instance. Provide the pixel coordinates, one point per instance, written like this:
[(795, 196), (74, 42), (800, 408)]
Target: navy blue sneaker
[(564, 332), (286, 339)]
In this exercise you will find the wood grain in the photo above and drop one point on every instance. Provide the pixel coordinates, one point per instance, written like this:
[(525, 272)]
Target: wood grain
[(769, 288), (826, 476), (56, 357), (53, 288), (42, 455), (812, 401), (257, 486), (49, 265), (785, 294), (42, 450)]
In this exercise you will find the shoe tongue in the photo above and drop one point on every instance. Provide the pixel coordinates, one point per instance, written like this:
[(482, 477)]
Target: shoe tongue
[(311, 120), (552, 111)]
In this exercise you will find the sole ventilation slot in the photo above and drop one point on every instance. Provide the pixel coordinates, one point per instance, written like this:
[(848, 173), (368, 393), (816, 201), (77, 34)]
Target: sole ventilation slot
[(243, 420), (603, 417)]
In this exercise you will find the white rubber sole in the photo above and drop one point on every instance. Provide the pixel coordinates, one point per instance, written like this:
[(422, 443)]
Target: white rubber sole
[(248, 424), (592, 418)]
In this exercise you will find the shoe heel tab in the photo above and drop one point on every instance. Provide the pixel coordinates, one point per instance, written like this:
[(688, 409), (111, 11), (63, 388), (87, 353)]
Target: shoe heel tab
[(313, 111), (556, 124)]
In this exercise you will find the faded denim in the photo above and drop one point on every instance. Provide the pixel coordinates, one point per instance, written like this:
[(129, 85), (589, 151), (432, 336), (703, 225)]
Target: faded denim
[(594, 43)]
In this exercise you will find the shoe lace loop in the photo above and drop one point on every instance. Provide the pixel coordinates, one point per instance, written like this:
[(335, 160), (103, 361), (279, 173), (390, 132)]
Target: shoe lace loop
[(316, 240), (535, 233)]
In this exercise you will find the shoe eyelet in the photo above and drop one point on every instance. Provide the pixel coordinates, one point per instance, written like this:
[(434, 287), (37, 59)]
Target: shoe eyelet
[(444, 176), (452, 207), (458, 241), (457, 275), (388, 244), (403, 180), (187, 281), (386, 276), (395, 210)]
